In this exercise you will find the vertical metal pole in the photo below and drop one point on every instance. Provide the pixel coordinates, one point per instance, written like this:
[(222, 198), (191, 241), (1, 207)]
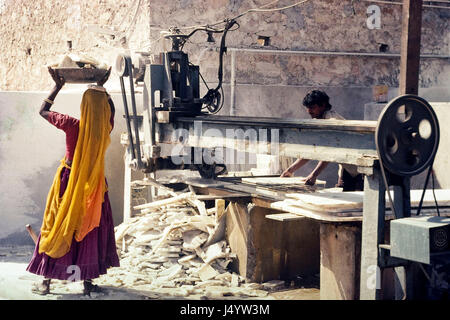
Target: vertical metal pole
[(372, 235), (127, 185), (410, 46), (402, 203), (233, 84), (153, 81), (127, 116), (409, 84), (150, 189), (135, 119), (168, 80), (399, 272)]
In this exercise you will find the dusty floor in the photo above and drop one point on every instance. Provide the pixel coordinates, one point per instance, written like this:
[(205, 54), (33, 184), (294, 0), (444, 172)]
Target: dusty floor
[(16, 284)]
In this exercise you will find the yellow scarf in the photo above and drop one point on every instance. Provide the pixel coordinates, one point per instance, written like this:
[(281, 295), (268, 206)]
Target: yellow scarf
[(78, 211)]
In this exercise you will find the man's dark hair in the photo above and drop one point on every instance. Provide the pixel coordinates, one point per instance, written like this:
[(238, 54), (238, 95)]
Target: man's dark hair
[(317, 97)]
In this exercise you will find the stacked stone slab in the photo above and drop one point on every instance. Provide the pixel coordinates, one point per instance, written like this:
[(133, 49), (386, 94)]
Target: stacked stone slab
[(175, 251)]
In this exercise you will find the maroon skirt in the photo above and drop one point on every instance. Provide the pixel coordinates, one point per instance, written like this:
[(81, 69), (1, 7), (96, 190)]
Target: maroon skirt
[(87, 259)]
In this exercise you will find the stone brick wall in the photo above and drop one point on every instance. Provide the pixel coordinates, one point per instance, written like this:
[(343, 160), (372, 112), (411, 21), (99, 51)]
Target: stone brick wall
[(34, 33), (325, 25)]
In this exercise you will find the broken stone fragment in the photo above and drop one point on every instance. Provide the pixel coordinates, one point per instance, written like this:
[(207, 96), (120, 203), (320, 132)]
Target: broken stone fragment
[(223, 263), (177, 251), (226, 276), (254, 293), (157, 259), (196, 263), (152, 265), (206, 272), (213, 294), (200, 205), (201, 222), (187, 258), (253, 285), (234, 280), (193, 239), (214, 251), (175, 242), (273, 285), (209, 284)]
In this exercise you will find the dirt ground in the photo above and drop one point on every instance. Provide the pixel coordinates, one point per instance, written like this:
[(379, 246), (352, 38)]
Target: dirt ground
[(16, 284)]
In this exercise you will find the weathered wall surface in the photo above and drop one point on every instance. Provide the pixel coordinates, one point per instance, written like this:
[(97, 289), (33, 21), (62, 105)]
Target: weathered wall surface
[(313, 26), (34, 33)]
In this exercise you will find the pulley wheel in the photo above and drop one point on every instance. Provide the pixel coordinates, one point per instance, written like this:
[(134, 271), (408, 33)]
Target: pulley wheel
[(407, 135), (123, 65)]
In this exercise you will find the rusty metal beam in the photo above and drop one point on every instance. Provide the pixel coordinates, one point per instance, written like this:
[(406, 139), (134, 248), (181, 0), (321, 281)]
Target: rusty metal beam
[(410, 47)]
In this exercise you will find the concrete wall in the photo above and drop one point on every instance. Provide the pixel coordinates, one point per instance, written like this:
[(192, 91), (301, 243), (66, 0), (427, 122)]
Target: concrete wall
[(30, 151)]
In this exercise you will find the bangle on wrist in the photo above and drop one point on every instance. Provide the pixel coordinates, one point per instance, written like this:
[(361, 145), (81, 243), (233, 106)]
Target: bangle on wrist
[(48, 101)]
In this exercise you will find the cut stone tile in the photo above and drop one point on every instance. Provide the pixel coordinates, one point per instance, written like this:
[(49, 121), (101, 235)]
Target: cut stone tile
[(194, 239), (234, 280), (253, 285), (175, 242), (202, 222), (165, 251), (152, 265), (146, 239), (120, 231), (214, 251), (187, 258), (170, 255), (226, 277), (159, 259), (273, 285), (157, 204), (206, 272), (173, 249), (171, 272), (200, 205), (254, 293)]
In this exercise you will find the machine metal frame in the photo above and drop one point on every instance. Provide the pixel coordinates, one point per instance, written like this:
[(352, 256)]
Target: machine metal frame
[(164, 133)]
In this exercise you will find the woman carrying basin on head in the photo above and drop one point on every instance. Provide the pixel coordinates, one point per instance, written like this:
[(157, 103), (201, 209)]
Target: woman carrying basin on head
[(77, 241)]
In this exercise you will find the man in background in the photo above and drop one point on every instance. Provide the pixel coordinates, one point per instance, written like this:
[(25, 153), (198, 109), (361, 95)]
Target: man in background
[(318, 106)]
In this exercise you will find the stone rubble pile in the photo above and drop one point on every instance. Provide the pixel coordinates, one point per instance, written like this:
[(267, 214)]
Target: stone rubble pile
[(178, 249)]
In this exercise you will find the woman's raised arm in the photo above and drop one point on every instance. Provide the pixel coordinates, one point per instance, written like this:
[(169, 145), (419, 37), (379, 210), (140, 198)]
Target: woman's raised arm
[(47, 103)]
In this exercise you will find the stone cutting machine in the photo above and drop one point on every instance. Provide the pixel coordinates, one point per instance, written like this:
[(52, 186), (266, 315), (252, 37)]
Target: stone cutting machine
[(177, 127), (172, 91)]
